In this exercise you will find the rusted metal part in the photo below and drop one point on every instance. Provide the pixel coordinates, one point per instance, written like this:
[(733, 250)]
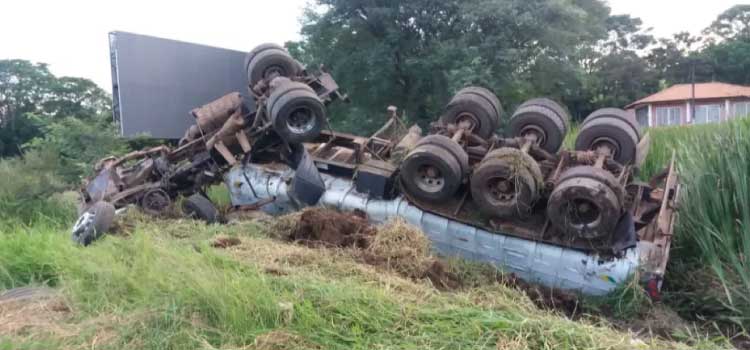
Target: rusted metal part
[(212, 116)]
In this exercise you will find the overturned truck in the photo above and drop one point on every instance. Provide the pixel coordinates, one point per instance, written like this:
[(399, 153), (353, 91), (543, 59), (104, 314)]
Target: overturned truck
[(571, 219)]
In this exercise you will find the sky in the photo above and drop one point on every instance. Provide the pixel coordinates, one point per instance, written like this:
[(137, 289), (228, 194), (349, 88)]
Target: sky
[(71, 35)]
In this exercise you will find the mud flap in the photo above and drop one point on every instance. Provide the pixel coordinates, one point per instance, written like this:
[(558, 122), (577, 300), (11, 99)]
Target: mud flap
[(624, 237), (307, 185)]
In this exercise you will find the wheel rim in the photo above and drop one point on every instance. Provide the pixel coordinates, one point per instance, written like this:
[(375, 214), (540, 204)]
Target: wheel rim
[(501, 190), (606, 145), (155, 202), (534, 132), (429, 178), (272, 71), (301, 120), (582, 212), (468, 121)]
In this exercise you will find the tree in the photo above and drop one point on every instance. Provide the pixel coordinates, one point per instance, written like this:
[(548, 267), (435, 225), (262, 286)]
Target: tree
[(416, 54), (27, 88), (734, 23), (618, 75)]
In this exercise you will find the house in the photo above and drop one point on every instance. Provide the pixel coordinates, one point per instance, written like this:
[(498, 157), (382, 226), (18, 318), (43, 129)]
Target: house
[(680, 105)]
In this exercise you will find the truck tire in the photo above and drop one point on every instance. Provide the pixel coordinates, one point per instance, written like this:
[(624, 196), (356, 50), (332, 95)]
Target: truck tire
[(584, 204), (611, 132), (554, 107), (617, 114), (503, 188), (199, 207), (517, 156), (269, 60), (449, 145), (478, 107), (93, 223), (297, 113), (430, 172), (543, 122)]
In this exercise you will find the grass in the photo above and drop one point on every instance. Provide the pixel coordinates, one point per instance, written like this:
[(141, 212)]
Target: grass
[(713, 233), (161, 286)]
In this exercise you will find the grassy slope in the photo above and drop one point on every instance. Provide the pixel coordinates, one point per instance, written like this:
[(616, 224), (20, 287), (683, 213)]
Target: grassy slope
[(164, 287)]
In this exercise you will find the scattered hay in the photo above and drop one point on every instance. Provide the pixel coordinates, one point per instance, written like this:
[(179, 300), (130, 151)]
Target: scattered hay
[(282, 340), (402, 248), (237, 216), (405, 250), (283, 226), (35, 313)]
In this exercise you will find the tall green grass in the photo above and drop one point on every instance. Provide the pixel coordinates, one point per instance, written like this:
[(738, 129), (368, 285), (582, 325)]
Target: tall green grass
[(712, 237), (30, 190)]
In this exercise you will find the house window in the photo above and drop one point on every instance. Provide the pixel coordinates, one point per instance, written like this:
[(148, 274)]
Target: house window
[(668, 116), (707, 114), (740, 109), (641, 114)]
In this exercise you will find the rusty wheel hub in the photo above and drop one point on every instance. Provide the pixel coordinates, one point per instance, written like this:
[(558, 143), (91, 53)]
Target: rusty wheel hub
[(301, 120), (533, 132), (430, 179), (502, 189), (467, 121)]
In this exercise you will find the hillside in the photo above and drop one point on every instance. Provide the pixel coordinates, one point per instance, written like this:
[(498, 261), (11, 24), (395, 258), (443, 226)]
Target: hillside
[(178, 284)]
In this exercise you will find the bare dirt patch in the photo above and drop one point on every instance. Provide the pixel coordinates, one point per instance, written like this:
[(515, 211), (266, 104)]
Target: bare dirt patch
[(324, 227)]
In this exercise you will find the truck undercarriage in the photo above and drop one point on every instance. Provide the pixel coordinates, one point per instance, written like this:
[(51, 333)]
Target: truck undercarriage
[(571, 219)]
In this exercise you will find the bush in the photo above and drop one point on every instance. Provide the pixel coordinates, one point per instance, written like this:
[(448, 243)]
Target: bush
[(79, 143), (29, 185)]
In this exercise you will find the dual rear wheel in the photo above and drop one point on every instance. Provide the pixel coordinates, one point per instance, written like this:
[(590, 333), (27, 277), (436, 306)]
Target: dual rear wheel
[(506, 183), (434, 169), (586, 203)]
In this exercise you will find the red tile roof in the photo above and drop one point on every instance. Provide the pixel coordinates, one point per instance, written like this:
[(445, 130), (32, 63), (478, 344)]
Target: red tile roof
[(682, 92)]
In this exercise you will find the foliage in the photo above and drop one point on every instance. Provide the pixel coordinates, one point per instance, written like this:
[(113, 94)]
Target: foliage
[(734, 23), (29, 187), (78, 143), (29, 92), (416, 54)]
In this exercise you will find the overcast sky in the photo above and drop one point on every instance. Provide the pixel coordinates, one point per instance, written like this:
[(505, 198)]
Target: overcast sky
[(71, 35)]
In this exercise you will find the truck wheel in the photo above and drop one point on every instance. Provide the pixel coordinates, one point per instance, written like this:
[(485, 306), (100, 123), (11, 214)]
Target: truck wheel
[(542, 123), (201, 208), (297, 113), (555, 107), (612, 132), (255, 50), (503, 188), (93, 223), (430, 172), (449, 145), (617, 114), (584, 203), (516, 156), (268, 60), (155, 202), (476, 107)]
